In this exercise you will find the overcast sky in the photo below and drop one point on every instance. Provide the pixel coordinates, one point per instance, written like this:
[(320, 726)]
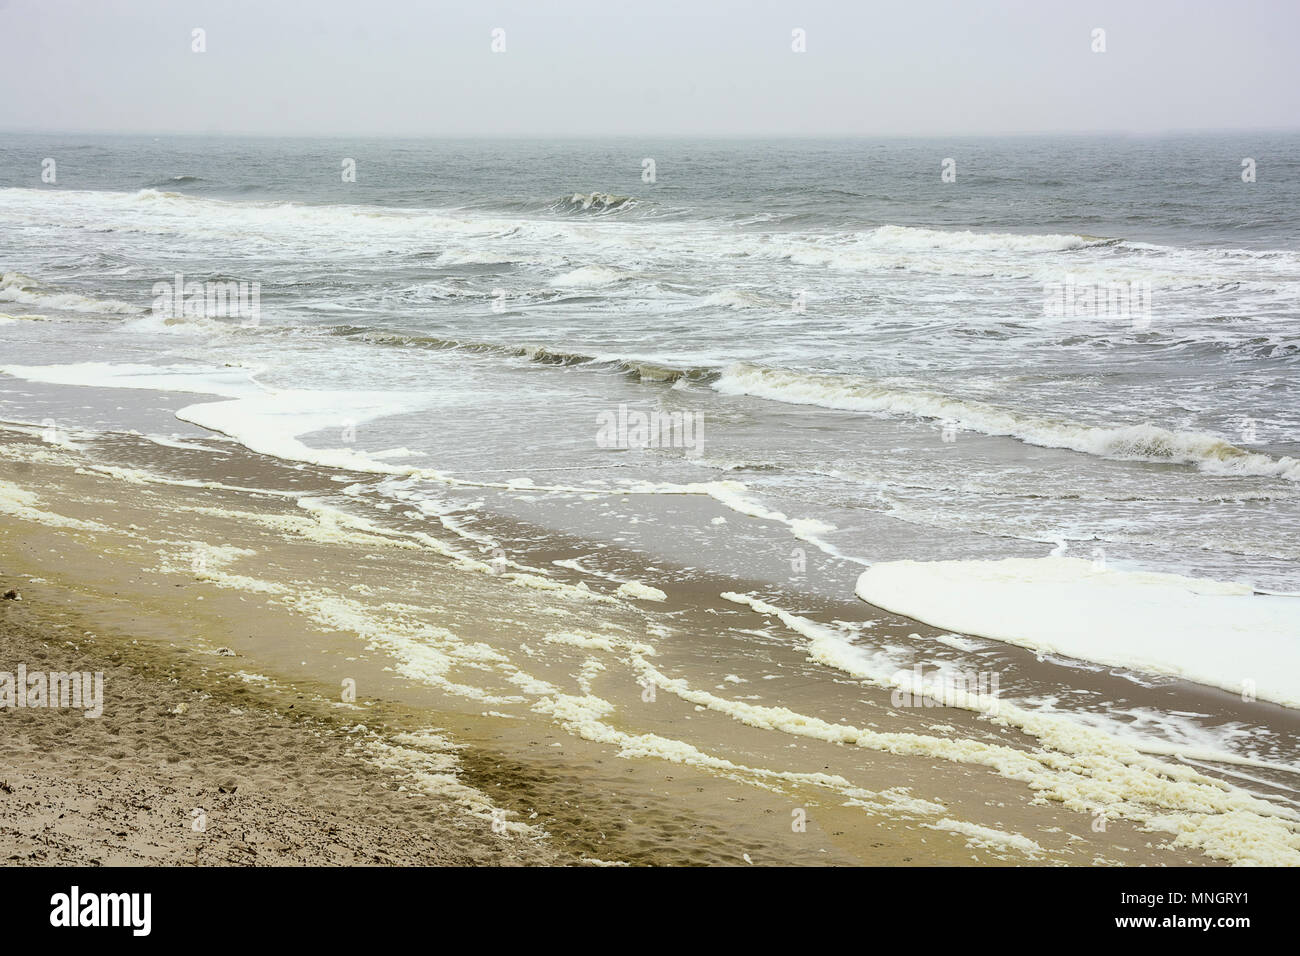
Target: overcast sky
[(692, 67)]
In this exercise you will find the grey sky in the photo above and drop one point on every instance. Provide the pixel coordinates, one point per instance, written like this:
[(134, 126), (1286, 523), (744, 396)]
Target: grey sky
[(584, 67)]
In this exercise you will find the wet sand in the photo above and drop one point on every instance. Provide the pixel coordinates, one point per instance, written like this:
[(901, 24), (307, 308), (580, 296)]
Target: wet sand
[(501, 715)]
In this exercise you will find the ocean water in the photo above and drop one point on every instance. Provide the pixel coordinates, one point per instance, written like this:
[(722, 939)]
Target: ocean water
[(879, 364)]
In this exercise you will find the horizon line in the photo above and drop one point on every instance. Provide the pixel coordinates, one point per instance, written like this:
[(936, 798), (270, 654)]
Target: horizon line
[(826, 135)]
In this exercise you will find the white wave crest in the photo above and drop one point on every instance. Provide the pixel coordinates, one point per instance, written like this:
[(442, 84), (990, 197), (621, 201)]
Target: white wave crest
[(590, 277), (16, 287), (1142, 442), (915, 238)]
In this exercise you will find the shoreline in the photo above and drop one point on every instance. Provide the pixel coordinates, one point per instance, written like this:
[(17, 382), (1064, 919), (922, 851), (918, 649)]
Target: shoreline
[(566, 748), (399, 802)]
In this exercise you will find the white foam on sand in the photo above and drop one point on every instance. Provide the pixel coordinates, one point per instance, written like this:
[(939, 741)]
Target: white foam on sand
[(1212, 632), (272, 423), (227, 382), (642, 592), (21, 503), (266, 420)]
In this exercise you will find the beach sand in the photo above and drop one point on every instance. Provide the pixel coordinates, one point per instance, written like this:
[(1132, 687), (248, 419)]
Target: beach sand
[(172, 774), (498, 716)]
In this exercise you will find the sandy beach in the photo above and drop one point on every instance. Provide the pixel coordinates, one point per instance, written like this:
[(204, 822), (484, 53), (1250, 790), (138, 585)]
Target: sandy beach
[(177, 775), (498, 713)]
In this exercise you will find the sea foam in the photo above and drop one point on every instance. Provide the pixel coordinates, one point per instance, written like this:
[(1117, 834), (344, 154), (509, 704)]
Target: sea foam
[(1216, 633)]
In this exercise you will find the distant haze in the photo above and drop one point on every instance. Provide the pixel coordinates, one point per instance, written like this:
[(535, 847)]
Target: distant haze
[(662, 67)]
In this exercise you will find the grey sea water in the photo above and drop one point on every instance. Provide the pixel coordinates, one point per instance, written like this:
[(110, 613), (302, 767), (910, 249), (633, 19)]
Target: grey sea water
[(877, 353)]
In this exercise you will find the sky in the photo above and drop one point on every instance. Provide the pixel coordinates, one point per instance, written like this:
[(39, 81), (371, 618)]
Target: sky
[(573, 68)]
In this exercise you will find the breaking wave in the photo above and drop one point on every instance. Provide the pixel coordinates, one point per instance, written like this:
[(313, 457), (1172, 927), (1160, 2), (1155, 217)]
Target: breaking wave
[(919, 239), (642, 370), (1140, 442), (167, 182), (16, 287), (592, 204)]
